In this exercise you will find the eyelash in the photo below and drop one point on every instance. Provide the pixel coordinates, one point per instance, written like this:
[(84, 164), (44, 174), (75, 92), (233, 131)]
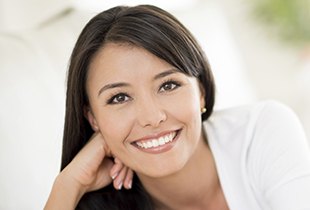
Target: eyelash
[(169, 82), (112, 101)]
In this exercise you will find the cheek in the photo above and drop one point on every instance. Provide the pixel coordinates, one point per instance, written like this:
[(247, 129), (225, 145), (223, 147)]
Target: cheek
[(188, 112), (114, 128), (186, 107)]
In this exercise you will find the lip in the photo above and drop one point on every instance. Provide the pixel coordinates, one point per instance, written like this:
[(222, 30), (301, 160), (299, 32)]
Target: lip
[(161, 148)]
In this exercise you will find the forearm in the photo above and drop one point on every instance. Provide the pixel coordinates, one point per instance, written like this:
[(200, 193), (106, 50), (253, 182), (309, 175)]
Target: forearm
[(65, 194)]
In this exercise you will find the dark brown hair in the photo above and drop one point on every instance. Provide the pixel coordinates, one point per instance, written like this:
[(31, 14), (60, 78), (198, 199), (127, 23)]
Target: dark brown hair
[(143, 26)]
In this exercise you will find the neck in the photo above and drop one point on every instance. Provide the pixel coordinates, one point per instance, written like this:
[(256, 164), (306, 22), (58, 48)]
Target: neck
[(196, 186)]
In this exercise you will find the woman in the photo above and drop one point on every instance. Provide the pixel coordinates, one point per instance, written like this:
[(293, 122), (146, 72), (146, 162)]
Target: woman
[(139, 133)]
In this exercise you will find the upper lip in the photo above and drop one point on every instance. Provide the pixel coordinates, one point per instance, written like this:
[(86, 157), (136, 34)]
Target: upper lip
[(155, 136)]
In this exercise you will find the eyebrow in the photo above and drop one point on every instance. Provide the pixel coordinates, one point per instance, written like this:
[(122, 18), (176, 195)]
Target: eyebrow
[(123, 84), (166, 73), (111, 86)]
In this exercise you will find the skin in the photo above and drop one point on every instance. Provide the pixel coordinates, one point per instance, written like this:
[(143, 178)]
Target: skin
[(134, 94), (146, 107)]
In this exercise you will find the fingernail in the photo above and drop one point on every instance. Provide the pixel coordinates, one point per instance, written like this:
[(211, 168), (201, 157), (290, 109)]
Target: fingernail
[(130, 184), (119, 187), (114, 175)]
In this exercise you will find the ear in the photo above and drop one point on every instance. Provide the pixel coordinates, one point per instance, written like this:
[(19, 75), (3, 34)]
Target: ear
[(202, 95), (91, 118)]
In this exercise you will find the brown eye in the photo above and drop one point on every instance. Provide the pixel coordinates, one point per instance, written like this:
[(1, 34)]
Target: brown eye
[(119, 99), (169, 86)]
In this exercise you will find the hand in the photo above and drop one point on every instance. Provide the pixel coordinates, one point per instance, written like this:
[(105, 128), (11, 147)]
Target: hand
[(93, 167)]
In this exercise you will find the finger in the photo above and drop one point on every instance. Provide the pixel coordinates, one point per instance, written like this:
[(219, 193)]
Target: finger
[(93, 152), (118, 181), (103, 179), (118, 165), (86, 164), (128, 179), (97, 135)]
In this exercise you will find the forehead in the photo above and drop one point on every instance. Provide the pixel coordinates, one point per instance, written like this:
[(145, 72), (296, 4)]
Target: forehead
[(118, 60)]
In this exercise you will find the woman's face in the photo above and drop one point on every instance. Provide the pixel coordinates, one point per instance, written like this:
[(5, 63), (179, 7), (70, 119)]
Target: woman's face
[(147, 111)]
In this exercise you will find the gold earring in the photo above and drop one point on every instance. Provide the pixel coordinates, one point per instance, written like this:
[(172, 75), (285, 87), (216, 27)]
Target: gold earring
[(203, 110)]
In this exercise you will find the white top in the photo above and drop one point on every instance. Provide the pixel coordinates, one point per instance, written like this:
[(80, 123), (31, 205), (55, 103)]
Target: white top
[(262, 157)]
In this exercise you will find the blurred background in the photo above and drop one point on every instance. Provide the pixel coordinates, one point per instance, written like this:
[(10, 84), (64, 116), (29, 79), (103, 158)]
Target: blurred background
[(258, 49)]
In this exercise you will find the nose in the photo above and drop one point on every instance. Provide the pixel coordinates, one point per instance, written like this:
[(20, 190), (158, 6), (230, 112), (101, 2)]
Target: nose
[(150, 113)]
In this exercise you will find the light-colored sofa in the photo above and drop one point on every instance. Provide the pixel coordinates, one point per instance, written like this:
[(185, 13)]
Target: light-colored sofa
[(35, 45)]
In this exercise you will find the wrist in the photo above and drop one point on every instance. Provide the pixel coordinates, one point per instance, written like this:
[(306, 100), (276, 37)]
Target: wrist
[(65, 194), (69, 184)]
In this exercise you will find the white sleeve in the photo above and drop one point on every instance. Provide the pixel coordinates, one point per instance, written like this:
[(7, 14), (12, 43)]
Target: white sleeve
[(279, 160)]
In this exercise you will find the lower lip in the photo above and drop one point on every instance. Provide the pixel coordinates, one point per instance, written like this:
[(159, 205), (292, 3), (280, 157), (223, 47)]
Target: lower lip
[(162, 148)]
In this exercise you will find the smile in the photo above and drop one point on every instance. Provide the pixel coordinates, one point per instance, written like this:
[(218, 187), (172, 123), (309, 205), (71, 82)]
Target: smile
[(160, 143), (157, 142)]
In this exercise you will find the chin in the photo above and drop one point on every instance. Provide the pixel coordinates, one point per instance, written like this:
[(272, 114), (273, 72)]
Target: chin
[(167, 169)]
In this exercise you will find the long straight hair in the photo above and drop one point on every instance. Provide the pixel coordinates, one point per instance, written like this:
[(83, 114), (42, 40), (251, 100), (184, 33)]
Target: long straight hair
[(144, 26)]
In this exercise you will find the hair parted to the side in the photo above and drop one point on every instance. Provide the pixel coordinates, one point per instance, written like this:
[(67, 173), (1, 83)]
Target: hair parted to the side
[(144, 26)]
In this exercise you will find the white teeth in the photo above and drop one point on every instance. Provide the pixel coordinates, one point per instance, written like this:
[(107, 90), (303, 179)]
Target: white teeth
[(157, 142), (166, 139), (149, 144), (161, 141)]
